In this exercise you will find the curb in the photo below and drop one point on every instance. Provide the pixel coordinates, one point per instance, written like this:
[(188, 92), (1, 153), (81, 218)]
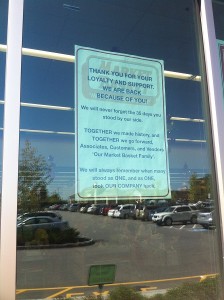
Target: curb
[(55, 246)]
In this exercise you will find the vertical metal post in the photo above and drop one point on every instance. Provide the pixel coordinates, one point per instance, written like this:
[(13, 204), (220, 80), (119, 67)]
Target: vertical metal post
[(10, 151), (216, 102)]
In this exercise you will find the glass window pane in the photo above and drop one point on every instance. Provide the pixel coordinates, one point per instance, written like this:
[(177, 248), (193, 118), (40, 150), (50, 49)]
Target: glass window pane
[(168, 244)]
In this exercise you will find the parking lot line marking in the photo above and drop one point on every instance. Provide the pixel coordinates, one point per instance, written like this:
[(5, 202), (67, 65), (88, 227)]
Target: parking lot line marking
[(203, 277), (45, 289), (59, 293), (163, 280), (74, 294), (116, 284), (148, 289), (182, 226), (20, 292), (100, 293)]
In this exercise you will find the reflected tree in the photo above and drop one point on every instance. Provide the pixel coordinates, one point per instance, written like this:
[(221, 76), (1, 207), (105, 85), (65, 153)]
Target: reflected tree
[(199, 188), (34, 176), (54, 198)]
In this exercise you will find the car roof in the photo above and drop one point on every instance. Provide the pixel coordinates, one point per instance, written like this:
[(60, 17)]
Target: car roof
[(38, 217)]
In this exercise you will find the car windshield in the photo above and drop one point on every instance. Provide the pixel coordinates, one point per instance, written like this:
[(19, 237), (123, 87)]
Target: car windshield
[(193, 207), (161, 209)]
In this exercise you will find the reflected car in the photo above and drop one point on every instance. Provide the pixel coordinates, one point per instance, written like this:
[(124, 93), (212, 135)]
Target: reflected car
[(64, 207), (90, 208), (73, 207), (178, 213), (54, 215), (125, 211), (54, 207), (106, 208), (41, 222), (111, 212), (84, 208), (206, 218), (96, 208), (148, 212)]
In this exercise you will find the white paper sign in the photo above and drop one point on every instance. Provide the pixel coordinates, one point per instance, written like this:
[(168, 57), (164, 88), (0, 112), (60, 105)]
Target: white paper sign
[(121, 142)]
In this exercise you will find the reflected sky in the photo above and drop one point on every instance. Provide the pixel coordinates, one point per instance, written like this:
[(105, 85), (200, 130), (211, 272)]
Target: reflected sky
[(218, 9), (2, 74), (3, 20), (161, 29)]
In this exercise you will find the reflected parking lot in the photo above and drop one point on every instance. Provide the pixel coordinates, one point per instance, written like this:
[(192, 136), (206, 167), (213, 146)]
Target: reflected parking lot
[(141, 251)]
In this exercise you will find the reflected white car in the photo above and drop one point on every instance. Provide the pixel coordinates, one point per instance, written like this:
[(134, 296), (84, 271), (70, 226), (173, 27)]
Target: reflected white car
[(125, 211), (177, 213), (111, 212), (206, 218), (90, 209)]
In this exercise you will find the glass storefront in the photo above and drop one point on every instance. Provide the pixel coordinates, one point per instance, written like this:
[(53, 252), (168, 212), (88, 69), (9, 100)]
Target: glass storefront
[(116, 183)]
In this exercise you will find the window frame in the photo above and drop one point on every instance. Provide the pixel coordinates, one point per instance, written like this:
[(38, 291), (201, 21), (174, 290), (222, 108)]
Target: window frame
[(216, 106)]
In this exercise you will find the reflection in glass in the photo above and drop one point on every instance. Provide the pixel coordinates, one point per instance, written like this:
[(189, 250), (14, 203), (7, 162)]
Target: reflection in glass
[(146, 255), (34, 176)]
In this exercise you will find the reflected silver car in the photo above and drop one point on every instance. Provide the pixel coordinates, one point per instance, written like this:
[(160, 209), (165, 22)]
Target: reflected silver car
[(177, 213), (34, 223), (206, 218), (54, 215)]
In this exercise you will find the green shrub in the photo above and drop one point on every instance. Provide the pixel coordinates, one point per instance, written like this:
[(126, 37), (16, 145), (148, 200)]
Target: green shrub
[(119, 293), (44, 237), (92, 297), (24, 236), (125, 293), (57, 236), (205, 290), (41, 236)]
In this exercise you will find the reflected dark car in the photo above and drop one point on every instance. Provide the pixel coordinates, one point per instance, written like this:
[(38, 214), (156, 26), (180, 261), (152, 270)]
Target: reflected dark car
[(64, 207), (206, 218), (148, 212), (54, 207), (95, 209), (73, 207)]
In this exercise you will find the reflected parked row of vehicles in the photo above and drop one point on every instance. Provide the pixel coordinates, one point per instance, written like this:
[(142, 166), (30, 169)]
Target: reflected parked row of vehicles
[(51, 219), (164, 214)]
